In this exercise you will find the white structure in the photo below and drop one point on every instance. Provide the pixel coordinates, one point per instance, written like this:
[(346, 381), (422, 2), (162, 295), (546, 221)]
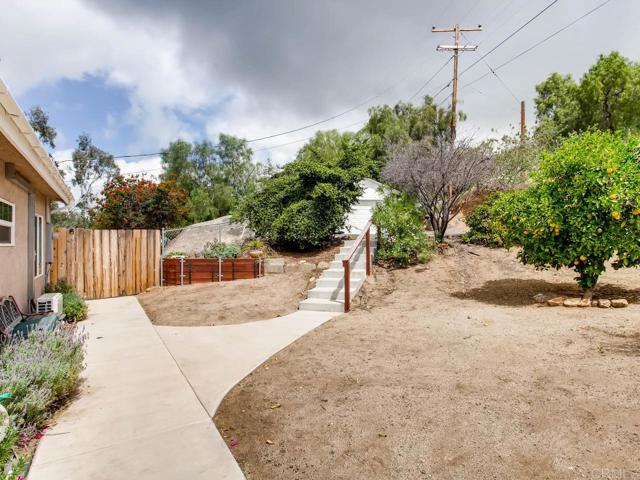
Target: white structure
[(328, 294)]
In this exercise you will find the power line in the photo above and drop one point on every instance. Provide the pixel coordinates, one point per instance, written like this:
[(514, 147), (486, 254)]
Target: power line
[(304, 127), (544, 40), (333, 117), (511, 35), (424, 85), (502, 82), (257, 150)]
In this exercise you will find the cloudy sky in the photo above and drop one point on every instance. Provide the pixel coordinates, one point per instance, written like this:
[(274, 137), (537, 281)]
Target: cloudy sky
[(139, 74)]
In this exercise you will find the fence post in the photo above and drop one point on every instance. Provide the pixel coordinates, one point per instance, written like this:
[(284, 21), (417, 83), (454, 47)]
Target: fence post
[(368, 250), (347, 285), (219, 269), (181, 271), (162, 257)]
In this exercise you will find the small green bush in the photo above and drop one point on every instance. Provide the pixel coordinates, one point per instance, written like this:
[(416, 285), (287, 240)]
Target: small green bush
[(402, 240), (61, 286), (75, 308), (482, 228), (254, 244), (222, 250)]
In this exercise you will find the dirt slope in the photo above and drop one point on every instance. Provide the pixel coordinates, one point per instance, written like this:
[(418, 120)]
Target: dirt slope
[(450, 372)]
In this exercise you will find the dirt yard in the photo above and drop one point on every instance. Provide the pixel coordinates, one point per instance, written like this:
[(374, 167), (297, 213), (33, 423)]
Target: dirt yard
[(234, 302), (451, 371)]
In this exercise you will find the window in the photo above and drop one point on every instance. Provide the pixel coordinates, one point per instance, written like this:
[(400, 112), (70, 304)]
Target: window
[(7, 223), (39, 257)]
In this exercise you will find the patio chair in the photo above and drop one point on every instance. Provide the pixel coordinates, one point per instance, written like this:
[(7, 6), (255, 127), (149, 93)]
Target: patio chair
[(14, 322)]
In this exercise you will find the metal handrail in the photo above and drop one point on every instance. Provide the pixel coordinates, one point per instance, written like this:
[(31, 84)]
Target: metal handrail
[(346, 262)]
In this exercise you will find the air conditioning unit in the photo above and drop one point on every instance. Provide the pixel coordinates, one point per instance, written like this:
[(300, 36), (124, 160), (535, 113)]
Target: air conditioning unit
[(50, 302)]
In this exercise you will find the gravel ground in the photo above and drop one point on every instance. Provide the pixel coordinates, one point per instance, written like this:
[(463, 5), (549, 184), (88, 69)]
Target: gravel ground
[(450, 371)]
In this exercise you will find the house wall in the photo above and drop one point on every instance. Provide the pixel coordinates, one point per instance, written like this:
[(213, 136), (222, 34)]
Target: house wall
[(13, 275), (14, 259)]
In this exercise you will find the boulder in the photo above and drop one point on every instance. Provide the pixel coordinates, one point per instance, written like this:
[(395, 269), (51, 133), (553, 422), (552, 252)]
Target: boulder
[(584, 302), (540, 298), (275, 265), (555, 302), (604, 303), (305, 266), (572, 302), (323, 265), (619, 303)]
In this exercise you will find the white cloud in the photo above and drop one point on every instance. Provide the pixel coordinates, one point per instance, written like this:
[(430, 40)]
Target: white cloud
[(263, 67), (69, 39)]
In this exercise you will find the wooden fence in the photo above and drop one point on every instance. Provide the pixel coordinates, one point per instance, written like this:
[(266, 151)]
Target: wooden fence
[(205, 270), (106, 263)]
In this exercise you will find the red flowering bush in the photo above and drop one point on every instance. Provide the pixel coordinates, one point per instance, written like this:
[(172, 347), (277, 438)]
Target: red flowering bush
[(135, 202)]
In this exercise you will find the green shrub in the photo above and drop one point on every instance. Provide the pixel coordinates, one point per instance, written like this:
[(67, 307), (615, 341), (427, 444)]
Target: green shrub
[(582, 209), (75, 308), (402, 240), (482, 229), (61, 286), (307, 203), (222, 250)]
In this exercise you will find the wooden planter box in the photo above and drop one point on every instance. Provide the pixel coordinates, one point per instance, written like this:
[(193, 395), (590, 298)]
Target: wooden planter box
[(186, 271)]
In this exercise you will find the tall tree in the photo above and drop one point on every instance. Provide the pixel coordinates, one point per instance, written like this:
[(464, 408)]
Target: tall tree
[(90, 165), (39, 121), (440, 176), (390, 126), (236, 160), (135, 202), (215, 177), (606, 98), (306, 203)]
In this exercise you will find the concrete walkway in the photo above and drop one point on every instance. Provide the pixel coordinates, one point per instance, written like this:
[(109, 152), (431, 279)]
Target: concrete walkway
[(138, 416), (214, 359)]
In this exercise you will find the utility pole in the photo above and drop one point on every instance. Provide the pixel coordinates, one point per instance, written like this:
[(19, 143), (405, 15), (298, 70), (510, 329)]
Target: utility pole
[(456, 48), (523, 124)]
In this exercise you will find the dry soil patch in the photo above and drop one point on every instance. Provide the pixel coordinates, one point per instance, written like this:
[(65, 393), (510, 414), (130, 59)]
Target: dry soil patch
[(450, 371), (237, 301)]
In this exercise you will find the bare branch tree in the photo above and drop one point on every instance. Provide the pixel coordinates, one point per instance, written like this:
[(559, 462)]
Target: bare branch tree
[(440, 175)]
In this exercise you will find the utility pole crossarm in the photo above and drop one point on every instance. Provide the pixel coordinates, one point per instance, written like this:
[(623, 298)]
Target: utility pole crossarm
[(453, 29), (456, 49), (460, 48)]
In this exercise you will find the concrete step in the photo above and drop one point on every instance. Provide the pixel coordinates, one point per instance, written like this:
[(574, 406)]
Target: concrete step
[(321, 305), (358, 263), (336, 282), (331, 293), (339, 273)]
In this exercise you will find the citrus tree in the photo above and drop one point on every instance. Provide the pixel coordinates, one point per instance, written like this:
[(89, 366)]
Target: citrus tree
[(582, 209)]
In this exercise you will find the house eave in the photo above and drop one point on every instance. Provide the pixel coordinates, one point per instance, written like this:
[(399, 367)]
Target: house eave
[(18, 131)]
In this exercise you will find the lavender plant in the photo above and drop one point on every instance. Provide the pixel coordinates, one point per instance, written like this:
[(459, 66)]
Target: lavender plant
[(40, 372)]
